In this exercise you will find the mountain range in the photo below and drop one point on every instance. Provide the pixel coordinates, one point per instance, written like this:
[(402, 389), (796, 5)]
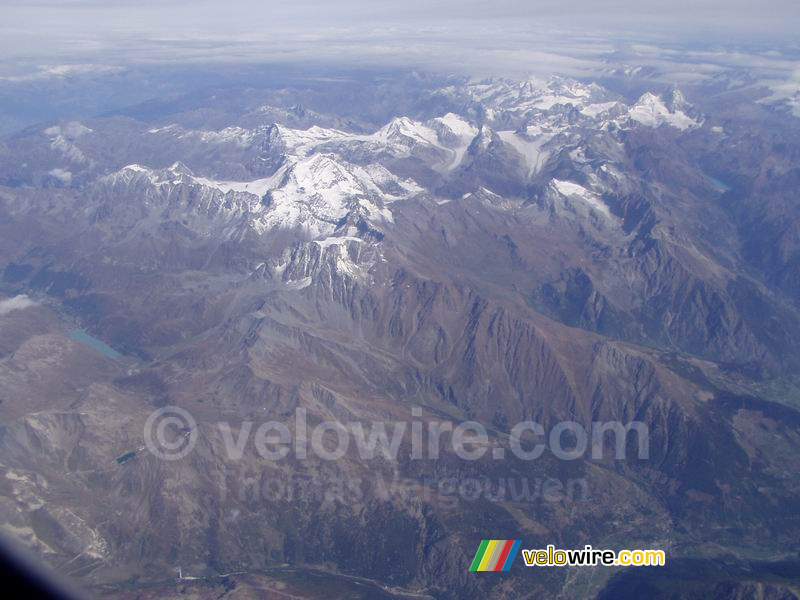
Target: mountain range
[(548, 250)]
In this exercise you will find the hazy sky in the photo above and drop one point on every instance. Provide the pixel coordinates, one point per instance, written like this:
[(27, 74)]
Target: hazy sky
[(39, 26), (477, 35)]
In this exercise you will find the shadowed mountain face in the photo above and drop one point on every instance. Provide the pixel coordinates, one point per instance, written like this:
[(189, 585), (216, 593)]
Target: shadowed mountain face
[(502, 251)]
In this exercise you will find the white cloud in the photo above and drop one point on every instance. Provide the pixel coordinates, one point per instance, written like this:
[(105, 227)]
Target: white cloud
[(62, 175), (15, 303), (62, 72)]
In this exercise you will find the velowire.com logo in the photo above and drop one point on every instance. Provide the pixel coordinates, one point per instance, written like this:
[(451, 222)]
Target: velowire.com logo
[(495, 555)]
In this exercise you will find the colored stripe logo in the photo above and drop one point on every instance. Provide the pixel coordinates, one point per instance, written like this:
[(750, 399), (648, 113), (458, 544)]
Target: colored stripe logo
[(495, 555)]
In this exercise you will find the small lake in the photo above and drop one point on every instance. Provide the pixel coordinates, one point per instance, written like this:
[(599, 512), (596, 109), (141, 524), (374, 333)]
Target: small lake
[(79, 335), (719, 186)]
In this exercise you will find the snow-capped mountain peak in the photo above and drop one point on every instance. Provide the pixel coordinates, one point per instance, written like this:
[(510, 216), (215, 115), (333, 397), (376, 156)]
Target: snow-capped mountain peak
[(652, 111), (314, 193), (302, 141), (405, 131), (454, 125)]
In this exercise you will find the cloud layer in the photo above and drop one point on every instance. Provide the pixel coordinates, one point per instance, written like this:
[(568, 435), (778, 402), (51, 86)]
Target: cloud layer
[(350, 29)]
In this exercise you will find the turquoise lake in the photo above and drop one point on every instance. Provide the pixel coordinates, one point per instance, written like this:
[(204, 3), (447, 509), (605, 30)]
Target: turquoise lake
[(79, 335)]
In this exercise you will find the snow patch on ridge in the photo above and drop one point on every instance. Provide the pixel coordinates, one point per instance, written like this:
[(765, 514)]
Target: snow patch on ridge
[(530, 147), (570, 189)]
